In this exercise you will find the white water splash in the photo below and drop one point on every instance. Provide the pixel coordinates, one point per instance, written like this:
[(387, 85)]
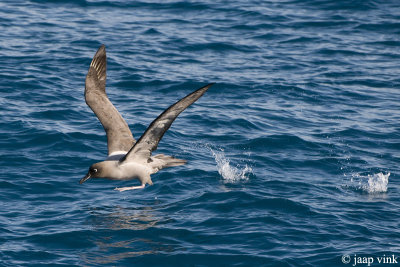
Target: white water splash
[(375, 183), (231, 174)]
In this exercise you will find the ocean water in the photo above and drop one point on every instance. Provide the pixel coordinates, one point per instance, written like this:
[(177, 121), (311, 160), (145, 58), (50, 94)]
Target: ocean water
[(293, 155)]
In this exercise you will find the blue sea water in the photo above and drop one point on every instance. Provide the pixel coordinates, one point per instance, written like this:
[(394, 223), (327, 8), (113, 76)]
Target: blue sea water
[(293, 155)]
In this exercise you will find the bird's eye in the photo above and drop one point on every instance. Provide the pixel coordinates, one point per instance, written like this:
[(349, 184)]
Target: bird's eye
[(95, 170)]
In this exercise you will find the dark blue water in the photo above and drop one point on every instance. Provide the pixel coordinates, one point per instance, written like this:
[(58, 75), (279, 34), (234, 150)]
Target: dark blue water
[(293, 156)]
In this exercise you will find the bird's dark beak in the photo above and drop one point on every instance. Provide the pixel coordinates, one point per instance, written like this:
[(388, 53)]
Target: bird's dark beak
[(84, 179)]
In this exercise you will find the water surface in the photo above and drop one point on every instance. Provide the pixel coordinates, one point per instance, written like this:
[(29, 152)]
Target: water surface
[(293, 156)]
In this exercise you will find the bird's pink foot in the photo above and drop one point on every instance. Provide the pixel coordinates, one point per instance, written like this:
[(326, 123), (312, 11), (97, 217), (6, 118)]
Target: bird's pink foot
[(121, 189)]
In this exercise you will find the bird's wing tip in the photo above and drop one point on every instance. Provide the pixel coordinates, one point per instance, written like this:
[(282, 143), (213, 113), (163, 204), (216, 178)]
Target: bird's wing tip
[(99, 63), (101, 48), (100, 52)]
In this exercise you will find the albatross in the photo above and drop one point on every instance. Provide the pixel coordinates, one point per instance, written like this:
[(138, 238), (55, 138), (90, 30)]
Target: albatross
[(129, 159)]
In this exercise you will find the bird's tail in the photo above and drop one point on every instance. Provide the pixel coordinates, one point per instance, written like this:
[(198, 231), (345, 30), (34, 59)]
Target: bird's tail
[(169, 161)]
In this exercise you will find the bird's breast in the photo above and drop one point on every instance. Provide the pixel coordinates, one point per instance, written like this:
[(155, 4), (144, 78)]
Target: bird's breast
[(133, 170)]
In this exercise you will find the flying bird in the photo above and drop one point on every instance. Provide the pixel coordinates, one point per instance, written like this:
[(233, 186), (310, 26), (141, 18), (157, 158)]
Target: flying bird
[(127, 158)]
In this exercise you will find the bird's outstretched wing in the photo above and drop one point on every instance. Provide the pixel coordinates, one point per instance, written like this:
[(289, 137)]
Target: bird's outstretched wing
[(119, 136), (148, 142)]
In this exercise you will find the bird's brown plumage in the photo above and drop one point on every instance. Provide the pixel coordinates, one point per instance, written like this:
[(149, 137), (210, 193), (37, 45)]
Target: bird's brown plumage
[(119, 136)]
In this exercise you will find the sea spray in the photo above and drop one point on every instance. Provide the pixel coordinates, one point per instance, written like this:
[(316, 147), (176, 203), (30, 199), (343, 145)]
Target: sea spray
[(370, 183), (231, 174)]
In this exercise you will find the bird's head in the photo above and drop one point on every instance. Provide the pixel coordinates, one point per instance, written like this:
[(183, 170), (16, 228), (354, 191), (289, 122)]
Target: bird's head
[(95, 171)]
